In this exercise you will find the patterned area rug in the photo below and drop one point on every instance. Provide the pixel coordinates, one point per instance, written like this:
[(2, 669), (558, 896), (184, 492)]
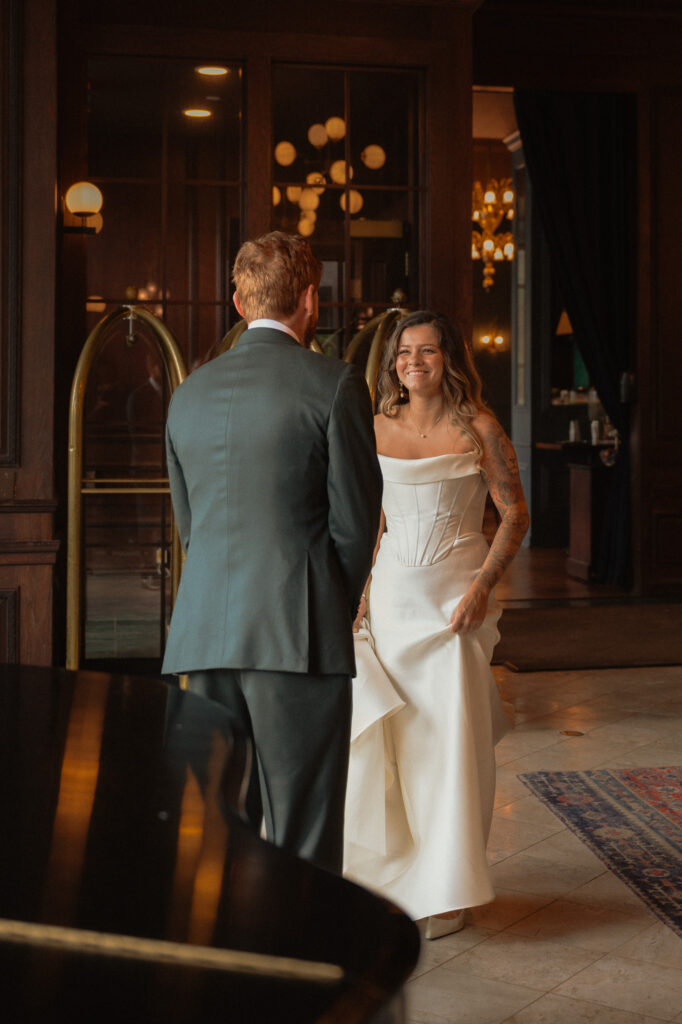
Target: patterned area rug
[(632, 820)]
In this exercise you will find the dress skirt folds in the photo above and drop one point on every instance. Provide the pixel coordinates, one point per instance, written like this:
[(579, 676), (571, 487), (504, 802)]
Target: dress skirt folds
[(426, 708)]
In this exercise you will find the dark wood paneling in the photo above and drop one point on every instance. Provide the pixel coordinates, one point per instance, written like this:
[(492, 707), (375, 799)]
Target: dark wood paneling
[(27, 556), (8, 626), (667, 295), (38, 250), (553, 47), (258, 141), (661, 358), (668, 540), (28, 546), (449, 131), (10, 228), (333, 18)]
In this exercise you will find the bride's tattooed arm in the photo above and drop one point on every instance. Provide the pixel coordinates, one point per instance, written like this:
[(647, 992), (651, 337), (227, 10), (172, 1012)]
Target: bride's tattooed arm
[(501, 473)]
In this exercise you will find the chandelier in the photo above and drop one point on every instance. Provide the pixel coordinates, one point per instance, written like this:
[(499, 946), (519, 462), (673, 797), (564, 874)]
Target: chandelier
[(492, 209)]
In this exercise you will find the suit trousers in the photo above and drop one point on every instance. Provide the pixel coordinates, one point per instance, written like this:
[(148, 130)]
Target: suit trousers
[(300, 729)]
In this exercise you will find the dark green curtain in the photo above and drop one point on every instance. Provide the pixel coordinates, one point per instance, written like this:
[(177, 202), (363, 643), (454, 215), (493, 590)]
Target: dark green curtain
[(581, 156)]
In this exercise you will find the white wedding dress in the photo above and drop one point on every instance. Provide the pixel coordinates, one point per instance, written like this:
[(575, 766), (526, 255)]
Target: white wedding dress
[(426, 709)]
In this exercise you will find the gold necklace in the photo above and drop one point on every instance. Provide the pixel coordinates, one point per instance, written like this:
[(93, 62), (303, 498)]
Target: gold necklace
[(437, 420)]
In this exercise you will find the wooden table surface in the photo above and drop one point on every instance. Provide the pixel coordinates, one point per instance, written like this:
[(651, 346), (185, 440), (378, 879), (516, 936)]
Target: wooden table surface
[(132, 890)]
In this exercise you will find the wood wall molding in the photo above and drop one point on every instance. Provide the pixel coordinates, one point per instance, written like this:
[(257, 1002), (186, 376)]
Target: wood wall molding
[(28, 552), (9, 640), (28, 162), (10, 228)]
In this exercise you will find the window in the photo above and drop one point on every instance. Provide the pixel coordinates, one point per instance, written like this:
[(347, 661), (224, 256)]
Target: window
[(347, 174), (173, 189)]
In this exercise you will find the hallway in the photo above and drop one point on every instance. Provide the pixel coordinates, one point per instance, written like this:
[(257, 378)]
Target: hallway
[(539, 574), (565, 942)]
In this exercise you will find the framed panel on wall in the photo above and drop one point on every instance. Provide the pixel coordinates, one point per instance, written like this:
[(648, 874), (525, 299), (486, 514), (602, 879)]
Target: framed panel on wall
[(10, 230)]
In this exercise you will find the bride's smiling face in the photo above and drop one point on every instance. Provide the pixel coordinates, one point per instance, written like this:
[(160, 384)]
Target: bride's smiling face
[(419, 361)]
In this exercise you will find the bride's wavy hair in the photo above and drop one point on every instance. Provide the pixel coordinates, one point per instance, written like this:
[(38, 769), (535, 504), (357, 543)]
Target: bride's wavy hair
[(460, 384)]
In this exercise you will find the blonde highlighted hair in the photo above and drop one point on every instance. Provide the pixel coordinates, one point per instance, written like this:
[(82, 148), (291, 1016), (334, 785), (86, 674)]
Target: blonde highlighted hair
[(460, 384), (271, 272)]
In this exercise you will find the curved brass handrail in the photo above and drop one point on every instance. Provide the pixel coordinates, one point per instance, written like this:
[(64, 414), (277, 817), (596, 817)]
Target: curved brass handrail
[(362, 335), (232, 337), (176, 371)]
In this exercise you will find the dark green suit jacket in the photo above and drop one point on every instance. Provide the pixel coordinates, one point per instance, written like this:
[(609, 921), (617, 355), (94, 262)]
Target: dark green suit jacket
[(276, 490)]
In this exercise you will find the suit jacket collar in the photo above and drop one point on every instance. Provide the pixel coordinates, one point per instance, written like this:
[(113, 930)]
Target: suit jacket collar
[(265, 335)]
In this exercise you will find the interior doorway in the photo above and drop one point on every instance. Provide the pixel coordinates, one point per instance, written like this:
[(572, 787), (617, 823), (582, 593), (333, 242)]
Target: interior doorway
[(534, 379)]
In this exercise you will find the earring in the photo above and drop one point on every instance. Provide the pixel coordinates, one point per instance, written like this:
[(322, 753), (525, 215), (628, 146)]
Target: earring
[(402, 390)]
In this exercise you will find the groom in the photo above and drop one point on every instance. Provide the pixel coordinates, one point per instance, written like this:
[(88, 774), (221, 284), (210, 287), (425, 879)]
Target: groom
[(276, 491)]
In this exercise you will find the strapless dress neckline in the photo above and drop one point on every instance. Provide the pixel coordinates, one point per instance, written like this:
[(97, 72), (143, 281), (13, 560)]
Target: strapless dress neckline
[(428, 458), (430, 469)]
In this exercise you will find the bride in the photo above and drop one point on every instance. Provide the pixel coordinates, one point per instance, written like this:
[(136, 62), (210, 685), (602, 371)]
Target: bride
[(427, 714)]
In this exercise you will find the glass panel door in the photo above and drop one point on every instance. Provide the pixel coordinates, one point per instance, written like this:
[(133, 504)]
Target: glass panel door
[(347, 174)]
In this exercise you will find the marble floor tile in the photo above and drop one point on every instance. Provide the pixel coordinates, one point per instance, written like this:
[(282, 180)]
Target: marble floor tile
[(438, 951), (523, 741), (526, 873), (458, 997), (533, 706), (657, 944), (507, 908), (607, 892), (636, 729), (577, 716), (532, 810), (508, 837), (661, 754), (513, 957), (576, 924), (553, 1009), (672, 738), (509, 787), (565, 848), (628, 985), (575, 753)]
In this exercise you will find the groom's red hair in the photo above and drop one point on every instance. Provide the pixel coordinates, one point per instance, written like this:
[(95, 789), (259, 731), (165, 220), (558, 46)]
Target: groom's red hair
[(271, 272)]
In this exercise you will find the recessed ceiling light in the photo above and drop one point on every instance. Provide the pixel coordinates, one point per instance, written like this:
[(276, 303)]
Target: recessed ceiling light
[(214, 70), (197, 112)]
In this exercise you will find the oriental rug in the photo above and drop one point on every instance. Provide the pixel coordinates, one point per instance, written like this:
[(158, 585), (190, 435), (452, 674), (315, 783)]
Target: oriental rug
[(632, 820), (542, 639)]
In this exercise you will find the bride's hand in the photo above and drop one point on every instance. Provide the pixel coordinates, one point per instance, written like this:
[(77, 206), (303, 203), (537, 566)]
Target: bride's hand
[(470, 612), (361, 612)]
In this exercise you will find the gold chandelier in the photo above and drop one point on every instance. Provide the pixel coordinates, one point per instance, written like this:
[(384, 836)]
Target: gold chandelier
[(493, 206)]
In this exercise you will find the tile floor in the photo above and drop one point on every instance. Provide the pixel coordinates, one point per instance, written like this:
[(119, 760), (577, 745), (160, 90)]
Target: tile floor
[(565, 942)]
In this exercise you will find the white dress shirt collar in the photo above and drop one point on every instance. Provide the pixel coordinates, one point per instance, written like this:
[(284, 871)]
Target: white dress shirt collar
[(274, 325)]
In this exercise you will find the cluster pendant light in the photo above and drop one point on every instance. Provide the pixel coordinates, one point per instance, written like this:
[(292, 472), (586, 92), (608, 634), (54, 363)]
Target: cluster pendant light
[(322, 137)]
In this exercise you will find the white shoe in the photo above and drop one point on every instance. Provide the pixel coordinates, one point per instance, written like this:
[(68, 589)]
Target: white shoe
[(437, 927)]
